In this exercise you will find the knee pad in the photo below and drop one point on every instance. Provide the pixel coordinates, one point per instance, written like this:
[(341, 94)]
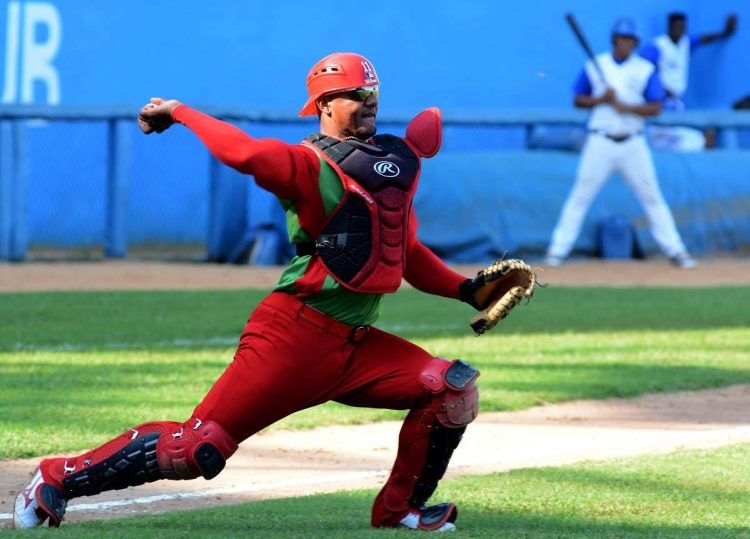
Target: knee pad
[(455, 400), (196, 448)]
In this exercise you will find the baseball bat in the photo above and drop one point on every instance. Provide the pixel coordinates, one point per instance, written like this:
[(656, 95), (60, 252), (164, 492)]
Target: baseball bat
[(585, 44)]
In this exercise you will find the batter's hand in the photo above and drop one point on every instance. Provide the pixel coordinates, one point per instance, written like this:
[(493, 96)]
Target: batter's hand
[(608, 96), (157, 115), (620, 106)]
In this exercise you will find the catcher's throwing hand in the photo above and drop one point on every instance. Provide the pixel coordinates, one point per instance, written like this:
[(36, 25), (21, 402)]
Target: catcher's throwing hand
[(496, 290), (157, 115)]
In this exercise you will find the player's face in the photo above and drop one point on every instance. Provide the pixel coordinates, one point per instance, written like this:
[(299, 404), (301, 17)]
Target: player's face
[(677, 29), (352, 113), (624, 46)]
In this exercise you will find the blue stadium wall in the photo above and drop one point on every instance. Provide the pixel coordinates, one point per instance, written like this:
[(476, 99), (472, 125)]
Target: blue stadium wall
[(472, 56), (476, 54)]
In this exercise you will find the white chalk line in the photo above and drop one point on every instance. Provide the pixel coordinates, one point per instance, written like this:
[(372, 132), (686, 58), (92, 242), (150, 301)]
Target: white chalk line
[(198, 343), (240, 489)]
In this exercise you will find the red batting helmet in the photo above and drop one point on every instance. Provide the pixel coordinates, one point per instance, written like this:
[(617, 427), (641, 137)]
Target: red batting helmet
[(337, 72)]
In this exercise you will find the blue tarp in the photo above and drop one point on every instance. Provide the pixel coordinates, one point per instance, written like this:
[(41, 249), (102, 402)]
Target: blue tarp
[(475, 206)]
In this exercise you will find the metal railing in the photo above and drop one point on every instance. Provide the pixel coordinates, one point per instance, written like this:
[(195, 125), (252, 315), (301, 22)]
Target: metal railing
[(14, 170)]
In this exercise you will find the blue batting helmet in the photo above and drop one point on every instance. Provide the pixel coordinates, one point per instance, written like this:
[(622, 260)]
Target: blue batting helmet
[(627, 27)]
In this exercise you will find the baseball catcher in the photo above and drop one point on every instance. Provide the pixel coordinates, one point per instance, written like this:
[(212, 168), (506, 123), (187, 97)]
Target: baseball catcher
[(348, 196)]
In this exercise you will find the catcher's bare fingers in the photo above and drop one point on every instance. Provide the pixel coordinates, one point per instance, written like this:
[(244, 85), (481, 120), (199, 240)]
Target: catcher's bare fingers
[(144, 126), (157, 115), (159, 107), (150, 110), (145, 118)]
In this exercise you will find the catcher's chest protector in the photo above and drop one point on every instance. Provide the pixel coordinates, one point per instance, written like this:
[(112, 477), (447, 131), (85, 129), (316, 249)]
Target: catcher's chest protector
[(363, 242)]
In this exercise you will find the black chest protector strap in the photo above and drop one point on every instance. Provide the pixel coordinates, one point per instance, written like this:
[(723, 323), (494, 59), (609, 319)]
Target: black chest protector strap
[(336, 149), (324, 241), (345, 245)]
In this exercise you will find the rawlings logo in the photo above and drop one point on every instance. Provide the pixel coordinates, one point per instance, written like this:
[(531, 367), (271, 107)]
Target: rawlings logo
[(387, 169)]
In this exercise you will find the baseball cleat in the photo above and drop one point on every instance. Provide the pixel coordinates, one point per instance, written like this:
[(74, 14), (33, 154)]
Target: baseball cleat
[(683, 261), (436, 518), (37, 502), (553, 261)]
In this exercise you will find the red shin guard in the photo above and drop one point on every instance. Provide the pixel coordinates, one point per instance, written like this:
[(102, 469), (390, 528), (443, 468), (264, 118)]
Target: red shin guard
[(427, 440), (146, 453)]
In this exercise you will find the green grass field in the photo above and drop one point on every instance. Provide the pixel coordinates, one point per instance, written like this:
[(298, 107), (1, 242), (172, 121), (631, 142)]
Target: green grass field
[(77, 368), (690, 494)]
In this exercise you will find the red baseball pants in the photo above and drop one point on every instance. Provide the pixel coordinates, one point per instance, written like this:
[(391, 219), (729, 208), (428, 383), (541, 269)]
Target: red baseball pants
[(291, 357)]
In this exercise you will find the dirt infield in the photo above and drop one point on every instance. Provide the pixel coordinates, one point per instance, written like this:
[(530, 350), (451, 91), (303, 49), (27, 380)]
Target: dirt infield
[(129, 275), (291, 463)]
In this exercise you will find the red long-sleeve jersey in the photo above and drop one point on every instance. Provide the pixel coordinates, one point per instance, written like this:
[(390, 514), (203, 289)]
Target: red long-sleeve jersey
[(292, 172)]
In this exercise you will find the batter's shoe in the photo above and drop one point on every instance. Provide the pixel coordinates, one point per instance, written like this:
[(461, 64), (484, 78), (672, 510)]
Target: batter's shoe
[(553, 261), (683, 261), (40, 500), (436, 518)]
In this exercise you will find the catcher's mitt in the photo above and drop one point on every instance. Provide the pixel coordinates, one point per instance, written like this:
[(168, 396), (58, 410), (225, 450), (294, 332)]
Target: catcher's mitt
[(496, 290)]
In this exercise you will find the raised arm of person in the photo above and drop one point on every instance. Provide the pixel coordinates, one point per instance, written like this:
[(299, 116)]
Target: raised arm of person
[(730, 27), (288, 171)]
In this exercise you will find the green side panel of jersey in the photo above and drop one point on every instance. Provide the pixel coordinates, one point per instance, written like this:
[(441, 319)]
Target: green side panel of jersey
[(344, 305), (294, 231), (330, 186), (331, 192), (291, 273), (353, 308)]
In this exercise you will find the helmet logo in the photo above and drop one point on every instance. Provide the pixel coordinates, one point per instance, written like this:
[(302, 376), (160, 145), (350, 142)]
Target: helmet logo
[(369, 71), (387, 169)]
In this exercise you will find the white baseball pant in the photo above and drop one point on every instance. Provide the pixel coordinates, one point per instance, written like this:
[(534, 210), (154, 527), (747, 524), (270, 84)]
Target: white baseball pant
[(600, 157)]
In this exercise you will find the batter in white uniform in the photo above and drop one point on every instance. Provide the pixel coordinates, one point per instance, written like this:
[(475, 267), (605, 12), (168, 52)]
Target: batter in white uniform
[(630, 91)]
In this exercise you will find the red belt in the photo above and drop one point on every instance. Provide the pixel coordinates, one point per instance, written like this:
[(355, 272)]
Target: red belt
[(285, 302)]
